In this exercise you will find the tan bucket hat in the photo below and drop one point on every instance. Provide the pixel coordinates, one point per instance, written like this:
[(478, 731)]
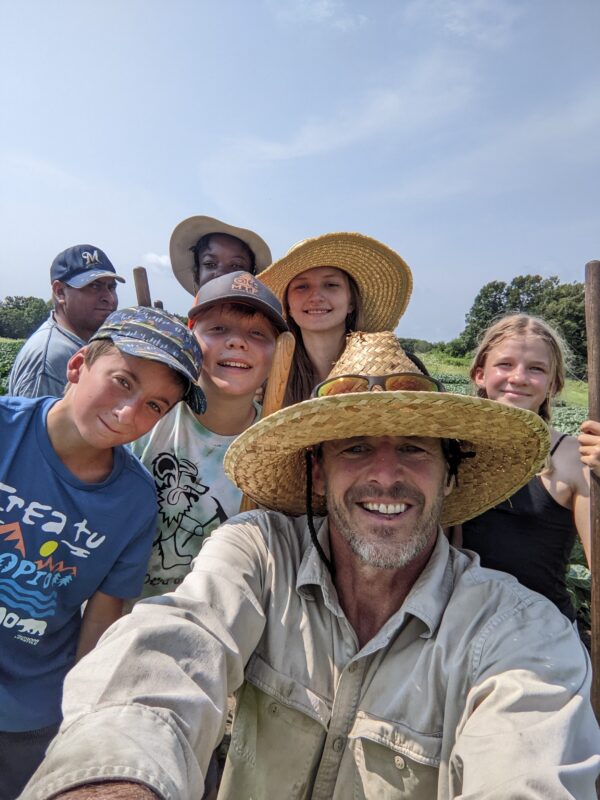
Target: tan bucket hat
[(187, 233), (267, 461), (383, 278)]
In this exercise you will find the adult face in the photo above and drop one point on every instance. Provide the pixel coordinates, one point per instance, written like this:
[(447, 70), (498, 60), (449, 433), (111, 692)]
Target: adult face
[(517, 372), (384, 495), (119, 397), (237, 349), (319, 299), (84, 310), (223, 255)]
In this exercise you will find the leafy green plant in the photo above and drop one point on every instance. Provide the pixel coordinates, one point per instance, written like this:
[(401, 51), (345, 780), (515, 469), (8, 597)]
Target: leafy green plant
[(8, 352)]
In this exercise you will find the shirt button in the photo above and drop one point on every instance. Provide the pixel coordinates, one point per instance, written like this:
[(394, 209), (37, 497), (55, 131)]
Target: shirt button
[(338, 744), (399, 762), (273, 709)]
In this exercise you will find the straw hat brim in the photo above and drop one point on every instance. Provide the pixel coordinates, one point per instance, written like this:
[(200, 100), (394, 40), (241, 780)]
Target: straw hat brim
[(267, 461), (187, 233), (383, 278)]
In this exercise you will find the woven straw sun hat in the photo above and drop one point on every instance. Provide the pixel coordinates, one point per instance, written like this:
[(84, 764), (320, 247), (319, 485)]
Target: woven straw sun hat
[(383, 278), (187, 233), (267, 461)]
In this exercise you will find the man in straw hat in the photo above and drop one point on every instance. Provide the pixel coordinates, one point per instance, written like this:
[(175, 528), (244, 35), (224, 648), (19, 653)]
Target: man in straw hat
[(369, 657)]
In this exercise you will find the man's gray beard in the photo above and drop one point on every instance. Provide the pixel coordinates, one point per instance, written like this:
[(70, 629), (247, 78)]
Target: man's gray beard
[(379, 554)]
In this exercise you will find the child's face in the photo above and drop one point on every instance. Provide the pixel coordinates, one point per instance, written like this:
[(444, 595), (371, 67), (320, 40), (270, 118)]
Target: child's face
[(224, 254), (517, 372), (237, 350), (319, 299), (119, 397)]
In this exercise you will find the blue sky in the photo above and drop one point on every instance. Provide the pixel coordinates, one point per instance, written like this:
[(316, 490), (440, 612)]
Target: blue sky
[(462, 133)]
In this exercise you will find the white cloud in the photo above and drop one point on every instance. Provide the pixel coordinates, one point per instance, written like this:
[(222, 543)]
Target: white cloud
[(436, 88), (486, 22), (156, 263), (333, 13)]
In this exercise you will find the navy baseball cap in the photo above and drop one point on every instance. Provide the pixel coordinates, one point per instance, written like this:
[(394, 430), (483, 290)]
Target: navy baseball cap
[(154, 334), (240, 287), (81, 264)]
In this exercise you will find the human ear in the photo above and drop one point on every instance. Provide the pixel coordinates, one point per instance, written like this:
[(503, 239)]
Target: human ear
[(75, 366), (58, 291), (479, 377), (449, 485)]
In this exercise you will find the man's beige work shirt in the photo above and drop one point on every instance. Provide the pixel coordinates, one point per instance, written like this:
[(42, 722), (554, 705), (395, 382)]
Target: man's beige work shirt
[(475, 688)]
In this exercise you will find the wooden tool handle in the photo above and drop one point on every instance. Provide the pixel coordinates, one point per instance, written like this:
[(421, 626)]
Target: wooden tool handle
[(276, 386), (142, 289), (592, 324)]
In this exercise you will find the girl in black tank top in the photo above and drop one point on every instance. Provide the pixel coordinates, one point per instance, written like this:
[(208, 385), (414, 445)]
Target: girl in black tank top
[(520, 362)]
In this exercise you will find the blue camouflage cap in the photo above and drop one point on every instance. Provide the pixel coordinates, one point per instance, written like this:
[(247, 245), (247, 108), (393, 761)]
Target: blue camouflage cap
[(154, 334)]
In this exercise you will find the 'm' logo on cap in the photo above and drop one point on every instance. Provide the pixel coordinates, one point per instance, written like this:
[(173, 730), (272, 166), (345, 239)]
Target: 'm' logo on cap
[(245, 283), (90, 258)]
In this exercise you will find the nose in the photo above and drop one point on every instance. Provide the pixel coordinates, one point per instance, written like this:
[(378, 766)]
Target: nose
[(518, 374), (108, 295), (128, 410), (386, 465), (236, 341)]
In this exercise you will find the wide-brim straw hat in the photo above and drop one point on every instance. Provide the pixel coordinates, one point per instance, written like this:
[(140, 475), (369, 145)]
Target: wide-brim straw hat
[(267, 461), (383, 278), (187, 233)]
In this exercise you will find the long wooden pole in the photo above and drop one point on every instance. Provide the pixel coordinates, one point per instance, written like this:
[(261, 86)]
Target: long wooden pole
[(592, 324), (142, 288), (276, 386)]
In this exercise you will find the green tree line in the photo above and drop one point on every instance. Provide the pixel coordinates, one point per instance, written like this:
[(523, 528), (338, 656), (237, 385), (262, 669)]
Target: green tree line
[(560, 304), (20, 316)]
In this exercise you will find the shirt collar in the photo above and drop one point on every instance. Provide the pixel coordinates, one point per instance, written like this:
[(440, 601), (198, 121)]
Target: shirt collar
[(427, 599)]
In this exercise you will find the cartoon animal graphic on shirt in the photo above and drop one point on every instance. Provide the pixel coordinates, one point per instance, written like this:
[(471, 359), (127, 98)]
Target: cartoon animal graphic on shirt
[(179, 491), (36, 626)]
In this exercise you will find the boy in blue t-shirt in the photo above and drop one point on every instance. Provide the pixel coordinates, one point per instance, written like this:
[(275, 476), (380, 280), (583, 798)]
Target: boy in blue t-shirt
[(77, 515)]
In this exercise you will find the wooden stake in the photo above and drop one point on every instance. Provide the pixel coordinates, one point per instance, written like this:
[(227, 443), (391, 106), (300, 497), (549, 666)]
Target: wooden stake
[(592, 324), (142, 289), (276, 386)]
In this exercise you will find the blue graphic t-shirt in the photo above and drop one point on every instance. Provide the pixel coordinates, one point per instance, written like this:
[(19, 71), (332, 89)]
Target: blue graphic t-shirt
[(61, 540)]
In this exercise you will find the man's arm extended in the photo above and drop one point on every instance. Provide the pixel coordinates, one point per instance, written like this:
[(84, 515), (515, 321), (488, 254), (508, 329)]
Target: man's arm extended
[(149, 703), (108, 791)]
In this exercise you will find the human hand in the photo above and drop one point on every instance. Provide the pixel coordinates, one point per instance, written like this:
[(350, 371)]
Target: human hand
[(589, 445)]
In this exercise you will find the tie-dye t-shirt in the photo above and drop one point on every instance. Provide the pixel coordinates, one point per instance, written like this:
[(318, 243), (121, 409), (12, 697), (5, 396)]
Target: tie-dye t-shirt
[(194, 495)]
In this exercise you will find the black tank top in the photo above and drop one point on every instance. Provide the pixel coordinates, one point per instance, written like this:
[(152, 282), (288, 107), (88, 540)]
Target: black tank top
[(530, 536)]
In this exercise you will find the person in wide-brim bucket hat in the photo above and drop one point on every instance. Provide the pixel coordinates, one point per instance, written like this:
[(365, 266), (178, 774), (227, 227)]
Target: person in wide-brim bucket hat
[(497, 448), (383, 278), (186, 235)]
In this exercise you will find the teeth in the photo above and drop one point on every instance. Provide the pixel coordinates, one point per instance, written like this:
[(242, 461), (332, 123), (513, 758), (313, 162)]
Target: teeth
[(234, 364), (317, 311), (383, 508)]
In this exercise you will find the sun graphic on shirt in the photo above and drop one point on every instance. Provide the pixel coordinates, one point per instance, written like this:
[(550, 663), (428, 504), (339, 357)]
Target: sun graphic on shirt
[(48, 548)]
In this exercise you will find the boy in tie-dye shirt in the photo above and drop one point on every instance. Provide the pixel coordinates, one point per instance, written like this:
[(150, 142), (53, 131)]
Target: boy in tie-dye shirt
[(236, 321)]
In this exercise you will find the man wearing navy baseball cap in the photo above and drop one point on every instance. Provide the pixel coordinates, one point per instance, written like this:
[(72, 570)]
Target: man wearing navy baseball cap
[(84, 284)]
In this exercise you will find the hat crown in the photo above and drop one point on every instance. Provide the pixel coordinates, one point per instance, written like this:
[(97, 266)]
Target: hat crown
[(79, 259), (373, 354)]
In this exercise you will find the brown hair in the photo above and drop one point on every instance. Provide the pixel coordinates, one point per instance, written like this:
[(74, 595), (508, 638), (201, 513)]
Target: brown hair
[(525, 325), (303, 378)]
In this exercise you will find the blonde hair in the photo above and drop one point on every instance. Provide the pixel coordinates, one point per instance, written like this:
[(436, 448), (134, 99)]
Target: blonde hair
[(303, 377), (520, 325)]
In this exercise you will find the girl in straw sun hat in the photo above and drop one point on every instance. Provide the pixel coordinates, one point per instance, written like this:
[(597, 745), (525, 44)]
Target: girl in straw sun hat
[(520, 364), (203, 248), (329, 286)]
